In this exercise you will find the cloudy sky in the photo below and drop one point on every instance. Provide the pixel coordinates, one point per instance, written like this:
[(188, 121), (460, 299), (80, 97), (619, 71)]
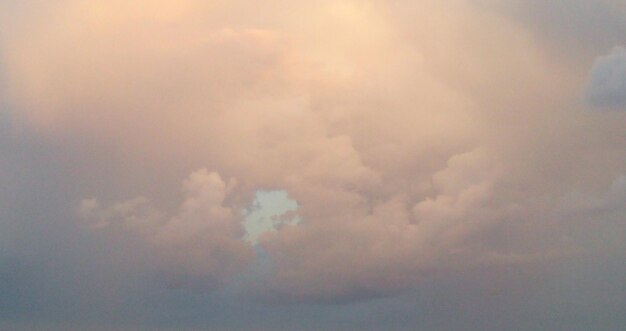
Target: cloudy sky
[(335, 165)]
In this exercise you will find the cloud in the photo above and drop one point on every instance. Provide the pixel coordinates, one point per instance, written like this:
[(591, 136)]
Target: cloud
[(607, 80), (201, 244), (600, 213), (572, 29), (419, 140)]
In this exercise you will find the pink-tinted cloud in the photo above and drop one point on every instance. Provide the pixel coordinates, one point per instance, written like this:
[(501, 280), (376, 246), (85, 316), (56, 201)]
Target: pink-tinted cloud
[(416, 138)]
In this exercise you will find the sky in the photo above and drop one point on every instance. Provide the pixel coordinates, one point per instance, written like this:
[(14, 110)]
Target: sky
[(336, 165)]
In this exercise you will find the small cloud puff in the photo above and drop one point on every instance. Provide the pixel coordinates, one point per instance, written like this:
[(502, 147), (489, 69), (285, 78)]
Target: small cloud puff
[(607, 82)]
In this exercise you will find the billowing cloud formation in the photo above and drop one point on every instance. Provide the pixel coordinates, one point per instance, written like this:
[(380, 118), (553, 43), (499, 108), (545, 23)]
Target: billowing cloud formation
[(418, 139), (607, 82), (202, 242)]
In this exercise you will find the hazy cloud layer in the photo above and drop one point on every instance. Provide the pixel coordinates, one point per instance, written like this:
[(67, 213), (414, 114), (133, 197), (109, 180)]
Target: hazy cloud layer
[(426, 144)]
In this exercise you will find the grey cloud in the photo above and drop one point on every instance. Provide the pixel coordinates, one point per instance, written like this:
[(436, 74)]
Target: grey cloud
[(571, 29), (607, 81)]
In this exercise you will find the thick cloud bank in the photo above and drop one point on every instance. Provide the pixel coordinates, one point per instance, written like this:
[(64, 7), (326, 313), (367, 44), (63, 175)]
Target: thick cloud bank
[(419, 139)]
